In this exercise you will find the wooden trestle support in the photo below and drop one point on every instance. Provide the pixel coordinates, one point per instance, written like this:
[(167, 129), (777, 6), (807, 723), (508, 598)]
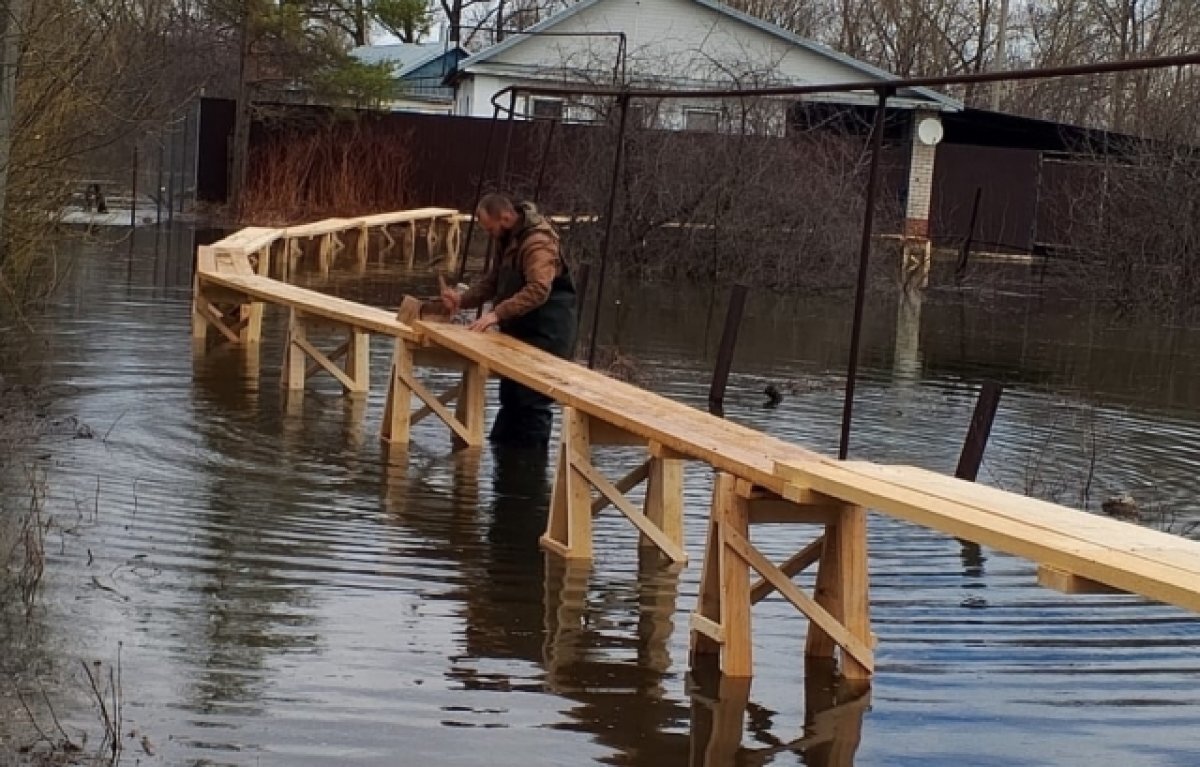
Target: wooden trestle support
[(569, 526), (838, 612), (466, 421)]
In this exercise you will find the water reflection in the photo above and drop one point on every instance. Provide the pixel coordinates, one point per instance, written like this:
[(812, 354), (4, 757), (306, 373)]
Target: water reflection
[(722, 713)]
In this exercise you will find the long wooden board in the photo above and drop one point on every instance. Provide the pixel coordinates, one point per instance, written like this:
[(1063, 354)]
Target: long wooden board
[(403, 216), (313, 303), (249, 240), (690, 432), (1125, 556)]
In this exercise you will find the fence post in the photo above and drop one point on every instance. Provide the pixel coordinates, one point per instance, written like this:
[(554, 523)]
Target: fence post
[(733, 321)]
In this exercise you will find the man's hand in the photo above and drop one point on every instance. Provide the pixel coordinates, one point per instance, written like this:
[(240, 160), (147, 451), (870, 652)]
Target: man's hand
[(451, 299), (485, 322)]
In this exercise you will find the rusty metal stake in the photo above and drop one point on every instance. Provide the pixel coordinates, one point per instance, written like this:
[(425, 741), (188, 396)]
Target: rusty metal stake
[(623, 101), (979, 430), (733, 322), (864, 258), (487, 156)]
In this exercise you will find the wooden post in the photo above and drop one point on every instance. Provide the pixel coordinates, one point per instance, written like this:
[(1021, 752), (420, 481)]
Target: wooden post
[(361, 246), (569, 525), (979, 430), (432, 240), (408, 243), (705, 646), (733, 321), (397, 413), (294, 363), (470, 409), (453, 245), (842, 588), (199, 323), (664, 494), (737, 660), (358, 361), (325, 254)]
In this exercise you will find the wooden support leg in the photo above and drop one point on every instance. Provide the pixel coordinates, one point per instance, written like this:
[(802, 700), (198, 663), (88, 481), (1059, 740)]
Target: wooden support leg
[(325, 255), (722, 619), (262, 264), (432, 240), (199, 321), (470, 409), (358, 361), (453, 244), (294, 367), (664, 495), (361, 248), (737, 660), (397, 414), (569, 525), (251, 322), (389, 242), (294, 253), (408, 243), (707, 634), (842, 588)]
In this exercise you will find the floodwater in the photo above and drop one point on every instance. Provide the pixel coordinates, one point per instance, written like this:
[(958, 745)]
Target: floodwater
[(279, 591)]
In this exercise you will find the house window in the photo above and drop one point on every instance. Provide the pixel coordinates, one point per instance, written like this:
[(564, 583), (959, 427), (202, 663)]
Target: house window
[(547, 108), (706, 120)]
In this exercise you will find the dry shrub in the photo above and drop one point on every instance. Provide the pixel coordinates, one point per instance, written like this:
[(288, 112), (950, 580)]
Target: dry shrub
[(1136, 233), (325, 166), (742, 204)]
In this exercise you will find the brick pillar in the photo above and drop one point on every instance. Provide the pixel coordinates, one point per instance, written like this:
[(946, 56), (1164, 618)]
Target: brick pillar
[(915, 267)]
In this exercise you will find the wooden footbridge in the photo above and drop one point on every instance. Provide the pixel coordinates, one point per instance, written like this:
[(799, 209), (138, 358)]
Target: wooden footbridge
[(759, 480)]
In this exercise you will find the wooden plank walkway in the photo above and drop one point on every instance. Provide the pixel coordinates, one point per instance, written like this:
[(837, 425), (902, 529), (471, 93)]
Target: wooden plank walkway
[(312, 302), (759, 479), (699, 436), (1072, 544)]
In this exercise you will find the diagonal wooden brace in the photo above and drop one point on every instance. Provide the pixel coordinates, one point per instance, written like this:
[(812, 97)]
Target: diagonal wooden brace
[(354, 377)]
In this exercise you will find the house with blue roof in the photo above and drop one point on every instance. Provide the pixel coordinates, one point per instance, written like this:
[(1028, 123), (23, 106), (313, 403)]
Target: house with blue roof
[(420, 71)]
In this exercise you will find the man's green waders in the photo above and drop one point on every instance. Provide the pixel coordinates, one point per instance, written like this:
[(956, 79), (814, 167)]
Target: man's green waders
[(525, 416)]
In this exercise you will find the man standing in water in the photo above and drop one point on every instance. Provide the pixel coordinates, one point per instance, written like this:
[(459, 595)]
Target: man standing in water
[(533, 299)]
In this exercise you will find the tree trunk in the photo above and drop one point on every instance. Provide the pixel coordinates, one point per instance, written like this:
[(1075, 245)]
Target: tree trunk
[(10, 54)]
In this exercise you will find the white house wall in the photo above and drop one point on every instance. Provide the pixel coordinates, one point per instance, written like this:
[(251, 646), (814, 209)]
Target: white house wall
[(678, 40)]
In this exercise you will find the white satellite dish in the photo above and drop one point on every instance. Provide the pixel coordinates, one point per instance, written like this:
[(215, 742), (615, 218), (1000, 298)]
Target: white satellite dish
[(929, 131)]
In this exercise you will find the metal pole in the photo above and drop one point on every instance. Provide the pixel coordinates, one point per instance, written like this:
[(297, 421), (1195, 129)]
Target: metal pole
[(960, 270), (864, 258), (133, 193), (171, 175), (487, 156), (512, 113), (623, 101), (537, 190), (158, 190), (183, 159)]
